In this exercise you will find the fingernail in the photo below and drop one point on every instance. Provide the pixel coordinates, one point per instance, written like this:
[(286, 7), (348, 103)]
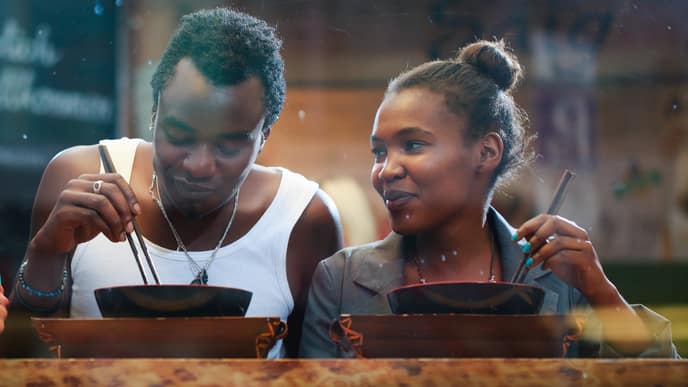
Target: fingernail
[(137, 209), (514, 236), (130, 227), (123, 237), (526, 247), (529, 262)]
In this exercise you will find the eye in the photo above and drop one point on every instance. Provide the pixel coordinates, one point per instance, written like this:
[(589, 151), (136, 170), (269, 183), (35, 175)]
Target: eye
[(232, 145), (177, 136), (229, 148), (379, 154), (413, 145)]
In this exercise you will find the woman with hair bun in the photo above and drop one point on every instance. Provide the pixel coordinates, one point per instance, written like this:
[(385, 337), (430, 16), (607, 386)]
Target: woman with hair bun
[(445, 135)]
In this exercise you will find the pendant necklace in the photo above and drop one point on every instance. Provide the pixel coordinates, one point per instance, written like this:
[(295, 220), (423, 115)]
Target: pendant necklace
[(490, 278), (201, 273)]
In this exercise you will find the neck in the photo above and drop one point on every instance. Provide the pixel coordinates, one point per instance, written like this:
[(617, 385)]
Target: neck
[(196, 233), (465, 252), (466, 236)]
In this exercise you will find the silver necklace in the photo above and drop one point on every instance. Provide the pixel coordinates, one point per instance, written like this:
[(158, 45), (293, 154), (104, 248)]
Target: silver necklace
[(490, 278), (201, 277)]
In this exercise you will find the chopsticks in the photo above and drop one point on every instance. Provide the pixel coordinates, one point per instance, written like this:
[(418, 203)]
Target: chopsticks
[(109, 168), (553, 209)]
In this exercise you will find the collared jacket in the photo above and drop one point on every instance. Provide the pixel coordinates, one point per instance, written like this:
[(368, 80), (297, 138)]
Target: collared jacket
[(356, 280)]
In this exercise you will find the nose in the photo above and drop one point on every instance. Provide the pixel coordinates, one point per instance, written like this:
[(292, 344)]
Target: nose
[(200, 162), (391, 169)]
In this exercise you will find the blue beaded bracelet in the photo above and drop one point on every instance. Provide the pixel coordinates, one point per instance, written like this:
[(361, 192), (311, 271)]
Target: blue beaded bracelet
[(39, 293)]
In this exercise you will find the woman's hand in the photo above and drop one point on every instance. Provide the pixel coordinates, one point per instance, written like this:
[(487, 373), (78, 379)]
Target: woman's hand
[(562, 246), (565, 248), (87, 206), (4, 303)]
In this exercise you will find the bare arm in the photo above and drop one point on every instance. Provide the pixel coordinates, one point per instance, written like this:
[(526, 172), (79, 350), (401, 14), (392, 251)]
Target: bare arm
[(65, 213), (317, 235)]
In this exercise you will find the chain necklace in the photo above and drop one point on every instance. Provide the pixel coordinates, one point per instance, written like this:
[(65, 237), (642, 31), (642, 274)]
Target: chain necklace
[(490, 278), (201, 277)]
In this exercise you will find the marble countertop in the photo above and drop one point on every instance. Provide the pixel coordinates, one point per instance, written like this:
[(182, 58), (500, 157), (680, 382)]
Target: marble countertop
[(344, 372)]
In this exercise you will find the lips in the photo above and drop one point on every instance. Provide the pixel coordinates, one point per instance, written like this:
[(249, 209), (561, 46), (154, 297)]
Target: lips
[(395, 200), (184, 186)]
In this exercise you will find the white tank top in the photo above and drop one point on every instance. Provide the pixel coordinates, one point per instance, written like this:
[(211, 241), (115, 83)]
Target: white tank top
[(255, 262)]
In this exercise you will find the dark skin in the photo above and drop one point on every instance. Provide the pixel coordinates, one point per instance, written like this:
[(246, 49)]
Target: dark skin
[(205, 145), (435, 185), (4, 303)]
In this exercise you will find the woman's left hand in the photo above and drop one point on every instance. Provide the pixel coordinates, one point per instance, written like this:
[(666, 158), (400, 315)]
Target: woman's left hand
[(565, 248)]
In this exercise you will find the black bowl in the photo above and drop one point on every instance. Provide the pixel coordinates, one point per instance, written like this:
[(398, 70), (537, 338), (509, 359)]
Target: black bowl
[(172, 301), (466, 297)]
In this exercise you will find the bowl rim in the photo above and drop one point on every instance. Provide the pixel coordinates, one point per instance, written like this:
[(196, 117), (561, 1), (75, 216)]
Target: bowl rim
[(479, 283), (171, 286)]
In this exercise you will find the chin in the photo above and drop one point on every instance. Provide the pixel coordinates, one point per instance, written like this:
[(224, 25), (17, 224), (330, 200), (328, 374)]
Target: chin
[(403, 226)]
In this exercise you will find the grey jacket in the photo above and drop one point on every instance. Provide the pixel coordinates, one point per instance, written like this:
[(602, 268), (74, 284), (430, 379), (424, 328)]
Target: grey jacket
[(356, 280)]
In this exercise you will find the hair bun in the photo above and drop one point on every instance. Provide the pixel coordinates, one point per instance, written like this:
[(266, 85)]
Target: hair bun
[(494, 61)]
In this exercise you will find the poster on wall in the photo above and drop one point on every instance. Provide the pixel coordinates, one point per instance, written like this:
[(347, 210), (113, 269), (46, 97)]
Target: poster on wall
[(57, 89)]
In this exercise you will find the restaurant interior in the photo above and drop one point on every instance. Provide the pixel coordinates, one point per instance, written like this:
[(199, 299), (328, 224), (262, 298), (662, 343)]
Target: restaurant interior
[(605, 90)]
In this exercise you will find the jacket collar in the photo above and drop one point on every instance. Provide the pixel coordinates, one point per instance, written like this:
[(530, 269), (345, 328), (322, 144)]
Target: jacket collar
[(512, 254), (381, 269)]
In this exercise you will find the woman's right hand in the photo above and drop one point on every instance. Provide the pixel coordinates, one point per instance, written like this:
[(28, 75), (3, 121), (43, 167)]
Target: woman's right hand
[(86, 208), (4, 303)]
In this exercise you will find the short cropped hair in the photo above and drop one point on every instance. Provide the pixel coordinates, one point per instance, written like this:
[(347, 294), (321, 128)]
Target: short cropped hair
[(227, 47)]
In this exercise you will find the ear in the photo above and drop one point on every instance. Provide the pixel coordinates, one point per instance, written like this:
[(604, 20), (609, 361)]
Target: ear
[(264, 134), (491, 148)]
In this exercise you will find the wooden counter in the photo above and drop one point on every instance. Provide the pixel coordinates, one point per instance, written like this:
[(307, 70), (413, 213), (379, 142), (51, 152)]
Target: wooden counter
[(371, 372)]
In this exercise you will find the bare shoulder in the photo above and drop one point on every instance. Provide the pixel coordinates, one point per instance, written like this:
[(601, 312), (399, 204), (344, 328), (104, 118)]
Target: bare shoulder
[(66, 165), (318, 229), (322, 211)]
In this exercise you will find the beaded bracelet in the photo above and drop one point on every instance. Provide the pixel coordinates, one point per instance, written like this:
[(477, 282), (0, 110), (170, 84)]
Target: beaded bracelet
[(39, 293)]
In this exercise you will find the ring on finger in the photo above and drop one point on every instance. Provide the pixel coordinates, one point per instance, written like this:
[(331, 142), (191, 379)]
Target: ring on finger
[(550, 238), (97, 186)]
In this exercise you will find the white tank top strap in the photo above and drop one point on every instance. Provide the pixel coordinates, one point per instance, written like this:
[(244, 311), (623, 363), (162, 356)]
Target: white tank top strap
[(293, 196), (122, 152)]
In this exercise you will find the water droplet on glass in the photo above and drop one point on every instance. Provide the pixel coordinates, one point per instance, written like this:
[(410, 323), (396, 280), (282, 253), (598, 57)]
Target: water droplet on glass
[(302, 115), (98, 9), (669, 28), (24, 136), (444, 258), (422, 260), (454, 252), (407, 216), (150, 62), (674, 107), (40, 31), (380, 265)]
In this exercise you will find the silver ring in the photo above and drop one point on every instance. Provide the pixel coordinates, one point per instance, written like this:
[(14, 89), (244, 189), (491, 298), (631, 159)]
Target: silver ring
[(550, 238), (97, 185)]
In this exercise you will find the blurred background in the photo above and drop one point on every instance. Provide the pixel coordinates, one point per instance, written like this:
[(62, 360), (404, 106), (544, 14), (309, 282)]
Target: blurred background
[(606, 90)]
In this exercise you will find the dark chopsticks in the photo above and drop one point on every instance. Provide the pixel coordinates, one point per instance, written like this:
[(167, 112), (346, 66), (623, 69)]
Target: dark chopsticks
[(557, 200), (109, 168)]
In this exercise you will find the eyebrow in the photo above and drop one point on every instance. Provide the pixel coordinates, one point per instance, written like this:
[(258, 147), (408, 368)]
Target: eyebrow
[(171, 121), (405, 132)]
